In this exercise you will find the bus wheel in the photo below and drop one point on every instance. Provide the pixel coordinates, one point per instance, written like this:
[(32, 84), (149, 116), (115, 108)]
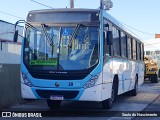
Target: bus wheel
[(154, 78), (135, 90), (159, 73), (53, 104), (108, 104)]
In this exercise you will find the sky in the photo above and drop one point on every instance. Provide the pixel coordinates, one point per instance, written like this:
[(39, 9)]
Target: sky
[(140, 16)]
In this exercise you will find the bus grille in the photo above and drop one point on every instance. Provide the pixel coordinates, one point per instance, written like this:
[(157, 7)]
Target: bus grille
[(67, 94)]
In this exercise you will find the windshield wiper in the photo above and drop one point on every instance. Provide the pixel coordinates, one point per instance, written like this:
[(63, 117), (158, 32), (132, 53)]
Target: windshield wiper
[(75, 32), (50, 41), (59, 46)]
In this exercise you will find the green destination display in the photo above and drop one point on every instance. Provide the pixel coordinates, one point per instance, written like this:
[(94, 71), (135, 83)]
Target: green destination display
[(44, 62)]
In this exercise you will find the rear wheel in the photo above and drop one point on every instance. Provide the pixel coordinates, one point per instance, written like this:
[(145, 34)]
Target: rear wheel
[(135, 90), (154, 78), (159, 73), (53, 104)]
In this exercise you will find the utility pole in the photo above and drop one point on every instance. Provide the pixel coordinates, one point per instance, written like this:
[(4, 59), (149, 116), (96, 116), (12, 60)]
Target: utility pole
[(71, 3), (106, 4), (101, 4)]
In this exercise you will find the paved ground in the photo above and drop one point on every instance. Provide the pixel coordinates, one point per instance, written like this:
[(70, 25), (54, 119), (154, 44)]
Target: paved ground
[(148, 99), (153, 107)]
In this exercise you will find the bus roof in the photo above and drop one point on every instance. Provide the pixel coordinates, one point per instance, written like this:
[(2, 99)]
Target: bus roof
[(107, 15), (64, 10)]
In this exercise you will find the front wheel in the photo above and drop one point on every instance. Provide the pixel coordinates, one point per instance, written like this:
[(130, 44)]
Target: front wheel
[(53, 104), (108, 104)]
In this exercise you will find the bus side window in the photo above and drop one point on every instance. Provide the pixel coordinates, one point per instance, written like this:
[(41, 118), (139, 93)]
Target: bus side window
[(129, 47), (138, 50), (106, 47), (134, 49), (124, 44), (142, 52), (116, 42)]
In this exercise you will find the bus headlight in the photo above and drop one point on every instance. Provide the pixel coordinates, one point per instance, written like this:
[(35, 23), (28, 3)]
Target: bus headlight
[(91, 82), (26, 80)]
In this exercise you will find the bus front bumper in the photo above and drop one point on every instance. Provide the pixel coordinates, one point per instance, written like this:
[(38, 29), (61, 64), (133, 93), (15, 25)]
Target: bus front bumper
[(89, 94)]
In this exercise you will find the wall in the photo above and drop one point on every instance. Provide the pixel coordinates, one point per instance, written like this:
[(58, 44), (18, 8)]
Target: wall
[(9, 84), (7, 30), (10, 74), (10, 53), (9, 66)]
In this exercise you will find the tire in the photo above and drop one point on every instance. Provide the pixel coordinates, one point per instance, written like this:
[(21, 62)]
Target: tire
[(154, 78), (108, 104), (135, 90), (53, 104), (159, 73)]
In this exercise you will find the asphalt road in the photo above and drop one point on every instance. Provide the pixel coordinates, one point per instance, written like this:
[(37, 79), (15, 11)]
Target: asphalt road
[(147, 100)]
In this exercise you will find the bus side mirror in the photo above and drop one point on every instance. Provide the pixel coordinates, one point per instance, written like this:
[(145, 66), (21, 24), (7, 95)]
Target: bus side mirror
[(109, 38), (15, 38)]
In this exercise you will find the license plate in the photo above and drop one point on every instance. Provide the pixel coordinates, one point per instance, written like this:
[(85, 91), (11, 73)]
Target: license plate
[(56, 97)]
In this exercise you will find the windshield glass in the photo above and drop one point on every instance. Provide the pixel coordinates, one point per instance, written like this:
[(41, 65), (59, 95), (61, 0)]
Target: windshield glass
[(61, 48)]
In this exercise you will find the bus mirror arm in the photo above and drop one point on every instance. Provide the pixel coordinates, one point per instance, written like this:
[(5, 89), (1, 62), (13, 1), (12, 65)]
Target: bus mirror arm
[(109, 38), (15, 38)]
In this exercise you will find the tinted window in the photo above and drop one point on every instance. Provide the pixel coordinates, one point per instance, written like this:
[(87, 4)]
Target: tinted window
[(129, 48), (142, 52), (134, 49), (107, 27), (116, 42), (138, 51), (106, 47), (124, 44)]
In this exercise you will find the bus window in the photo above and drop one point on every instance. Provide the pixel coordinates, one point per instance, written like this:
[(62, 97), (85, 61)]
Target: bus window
[(116, 42), (124, 44), (129, 48), (107, 27), (106, 47), (138, 51), (134, 48), (142, 52)]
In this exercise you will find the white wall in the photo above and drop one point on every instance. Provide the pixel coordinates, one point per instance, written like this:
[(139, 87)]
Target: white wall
[(10, 53), (6, 28)]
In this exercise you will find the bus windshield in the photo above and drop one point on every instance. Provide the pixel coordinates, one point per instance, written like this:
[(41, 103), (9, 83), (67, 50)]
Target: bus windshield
[(61, 48)]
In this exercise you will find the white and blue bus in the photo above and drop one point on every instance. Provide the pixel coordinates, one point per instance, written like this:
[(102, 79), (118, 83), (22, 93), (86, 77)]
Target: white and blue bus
[(78, 55)]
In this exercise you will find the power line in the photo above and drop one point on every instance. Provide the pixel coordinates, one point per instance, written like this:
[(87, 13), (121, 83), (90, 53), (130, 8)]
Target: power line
[(135, 28), (127, 27), (138, 30), (10, 15), (42, 4)]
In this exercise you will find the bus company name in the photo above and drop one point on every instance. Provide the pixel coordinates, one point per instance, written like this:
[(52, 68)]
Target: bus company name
[(21, 115), (26, 114), (57, 72)]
